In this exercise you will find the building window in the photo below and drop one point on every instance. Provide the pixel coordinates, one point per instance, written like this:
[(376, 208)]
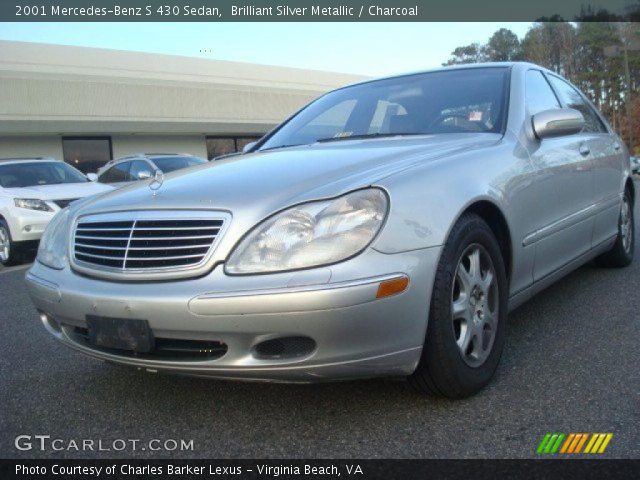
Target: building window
[(87, 154), (217, 146)]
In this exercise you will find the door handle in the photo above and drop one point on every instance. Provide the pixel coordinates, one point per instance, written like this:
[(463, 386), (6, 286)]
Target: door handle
[(616, 147), (584, 150)]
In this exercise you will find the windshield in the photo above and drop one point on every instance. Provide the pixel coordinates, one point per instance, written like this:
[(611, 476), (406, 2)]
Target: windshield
[(29, 174), (169, 164), (448, 101)]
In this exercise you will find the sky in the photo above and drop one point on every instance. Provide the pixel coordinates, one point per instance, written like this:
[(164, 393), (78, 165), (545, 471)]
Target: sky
[(360, 48)]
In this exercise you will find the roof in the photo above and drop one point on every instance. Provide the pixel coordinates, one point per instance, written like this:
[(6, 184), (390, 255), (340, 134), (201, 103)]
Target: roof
[(54, 89), (142, 156), (459, 66), (154, 155)]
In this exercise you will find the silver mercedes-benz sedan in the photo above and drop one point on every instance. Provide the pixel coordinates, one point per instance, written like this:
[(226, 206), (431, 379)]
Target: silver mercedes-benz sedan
[(385, 229)]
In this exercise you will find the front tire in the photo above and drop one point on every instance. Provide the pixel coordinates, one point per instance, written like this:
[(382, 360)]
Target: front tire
[(621, 254), (8, 250), (467, 317)]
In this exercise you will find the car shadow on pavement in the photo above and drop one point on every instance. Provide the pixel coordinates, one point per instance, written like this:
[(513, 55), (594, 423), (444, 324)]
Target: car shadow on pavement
[(26, 258)]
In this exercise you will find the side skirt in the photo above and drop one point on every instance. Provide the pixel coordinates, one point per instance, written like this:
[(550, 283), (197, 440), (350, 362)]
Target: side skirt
[(522, 296)]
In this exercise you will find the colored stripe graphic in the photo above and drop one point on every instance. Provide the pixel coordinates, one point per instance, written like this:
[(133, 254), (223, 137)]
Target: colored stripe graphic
[(606, 441), (567, 443), (556, 446), (583, 439), (543, 443), (551, 443), (599, 443), (573, 443), (577, 438)]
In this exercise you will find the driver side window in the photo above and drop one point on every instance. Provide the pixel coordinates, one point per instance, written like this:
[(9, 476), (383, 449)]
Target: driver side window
[(573, 99)]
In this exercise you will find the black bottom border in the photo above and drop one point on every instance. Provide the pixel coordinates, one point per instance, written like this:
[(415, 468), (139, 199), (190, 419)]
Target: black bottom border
[(285, 469)]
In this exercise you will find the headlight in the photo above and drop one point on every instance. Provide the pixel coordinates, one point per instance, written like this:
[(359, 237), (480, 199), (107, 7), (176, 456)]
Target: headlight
[(32, 204), (312, 234), (53, 250)]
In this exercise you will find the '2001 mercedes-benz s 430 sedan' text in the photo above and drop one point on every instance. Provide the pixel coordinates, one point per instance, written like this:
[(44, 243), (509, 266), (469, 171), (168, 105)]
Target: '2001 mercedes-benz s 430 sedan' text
[(385, 229)]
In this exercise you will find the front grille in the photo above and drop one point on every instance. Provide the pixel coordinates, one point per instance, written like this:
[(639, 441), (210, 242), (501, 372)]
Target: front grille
[(164, 348), (64, 203), (145, 244)]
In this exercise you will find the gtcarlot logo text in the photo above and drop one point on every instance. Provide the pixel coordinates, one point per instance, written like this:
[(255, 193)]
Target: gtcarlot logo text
[(45, 443)]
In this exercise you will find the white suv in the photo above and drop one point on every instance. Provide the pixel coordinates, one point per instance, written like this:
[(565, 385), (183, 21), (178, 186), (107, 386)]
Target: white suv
[(32, 191)]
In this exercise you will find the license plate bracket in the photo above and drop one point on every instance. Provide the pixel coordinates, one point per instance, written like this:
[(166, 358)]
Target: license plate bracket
[(120, 333)]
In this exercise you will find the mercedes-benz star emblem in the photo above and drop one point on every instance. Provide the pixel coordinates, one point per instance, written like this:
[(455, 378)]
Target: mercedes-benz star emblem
[(156, 182)]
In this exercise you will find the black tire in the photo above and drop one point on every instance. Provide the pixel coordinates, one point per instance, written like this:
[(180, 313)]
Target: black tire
[(442, 370), (620, 255), (14, 254)]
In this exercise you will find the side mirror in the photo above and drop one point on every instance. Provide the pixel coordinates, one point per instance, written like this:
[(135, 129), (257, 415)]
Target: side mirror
[(557, 122), (248, 147), (144, 175), (92, 177)]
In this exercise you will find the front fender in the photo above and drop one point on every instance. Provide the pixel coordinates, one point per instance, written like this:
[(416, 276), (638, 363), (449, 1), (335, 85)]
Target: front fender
[(426, 201)]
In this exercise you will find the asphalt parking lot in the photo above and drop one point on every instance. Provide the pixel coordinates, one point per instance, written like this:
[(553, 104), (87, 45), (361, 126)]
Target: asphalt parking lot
[(570, 365)]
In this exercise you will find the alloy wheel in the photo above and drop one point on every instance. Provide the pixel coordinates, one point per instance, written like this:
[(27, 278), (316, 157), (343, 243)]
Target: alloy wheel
[(474, 305), (5, 245), (626, 230)]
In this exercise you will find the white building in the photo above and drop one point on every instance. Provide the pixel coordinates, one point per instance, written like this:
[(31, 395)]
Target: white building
[(89, 105)]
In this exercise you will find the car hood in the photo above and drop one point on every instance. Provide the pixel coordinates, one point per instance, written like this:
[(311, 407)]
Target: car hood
[(271, 180), (63, 191)]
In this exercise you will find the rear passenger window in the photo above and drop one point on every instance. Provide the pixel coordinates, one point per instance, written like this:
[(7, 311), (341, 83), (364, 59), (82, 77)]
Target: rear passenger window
[(572, 99), (539, 95)]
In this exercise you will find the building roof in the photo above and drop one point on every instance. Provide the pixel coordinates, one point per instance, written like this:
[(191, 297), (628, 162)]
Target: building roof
[(79, 90)]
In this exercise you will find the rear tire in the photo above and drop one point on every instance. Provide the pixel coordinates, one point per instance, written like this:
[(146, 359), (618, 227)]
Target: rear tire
[(467, 317), (9, 254), (621, 254)]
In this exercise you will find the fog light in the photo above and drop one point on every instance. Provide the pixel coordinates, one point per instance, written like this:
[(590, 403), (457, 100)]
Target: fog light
[(284, 347), (392, 287), (27, 228)]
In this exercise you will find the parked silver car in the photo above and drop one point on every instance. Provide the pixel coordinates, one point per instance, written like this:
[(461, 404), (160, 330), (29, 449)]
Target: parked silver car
[(385, 229), (143, 166)]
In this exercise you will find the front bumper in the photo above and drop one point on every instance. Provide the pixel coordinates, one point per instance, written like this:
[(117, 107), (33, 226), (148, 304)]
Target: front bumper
[(355, 334), (28, 225)]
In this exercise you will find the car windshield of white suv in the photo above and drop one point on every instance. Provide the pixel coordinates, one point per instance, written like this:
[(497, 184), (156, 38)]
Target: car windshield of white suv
[(452, 101), (30, 174), (169, 164)]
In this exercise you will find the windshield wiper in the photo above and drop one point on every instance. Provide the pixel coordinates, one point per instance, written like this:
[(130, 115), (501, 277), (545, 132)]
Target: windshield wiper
[(352, 137), (366, 135), (281, 146)]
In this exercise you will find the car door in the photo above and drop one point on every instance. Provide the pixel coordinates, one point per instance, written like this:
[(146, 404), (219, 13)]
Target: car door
[(563, 217), (607, 157)]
